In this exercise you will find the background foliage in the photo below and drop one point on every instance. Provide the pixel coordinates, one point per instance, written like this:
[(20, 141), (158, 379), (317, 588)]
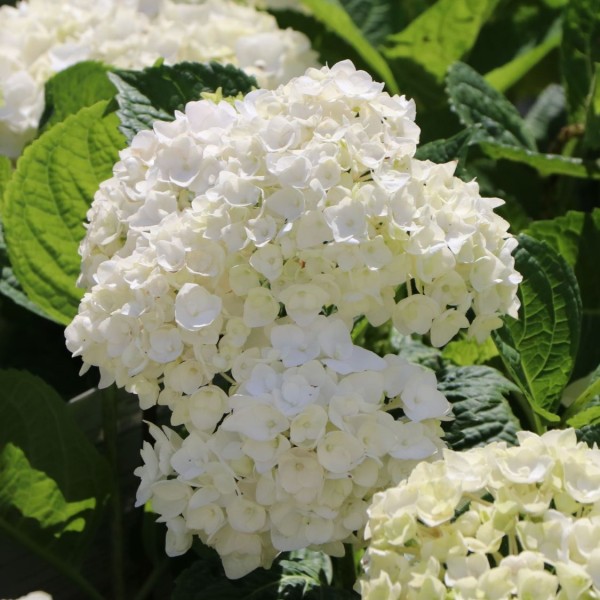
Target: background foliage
[(507, 88)]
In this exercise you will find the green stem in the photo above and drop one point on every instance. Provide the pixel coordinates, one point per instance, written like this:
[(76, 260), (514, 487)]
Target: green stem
[(534, 420), (344, 569), (53, 559), (109, 422), (149, 584)]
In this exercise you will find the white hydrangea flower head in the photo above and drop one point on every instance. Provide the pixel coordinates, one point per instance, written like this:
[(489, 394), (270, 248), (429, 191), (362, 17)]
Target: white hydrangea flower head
[(39, 39), (492, 522), (226, 263)]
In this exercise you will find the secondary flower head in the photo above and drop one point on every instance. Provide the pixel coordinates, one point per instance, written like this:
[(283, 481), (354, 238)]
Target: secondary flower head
[(238, 245), (493, 522), (40, 39)]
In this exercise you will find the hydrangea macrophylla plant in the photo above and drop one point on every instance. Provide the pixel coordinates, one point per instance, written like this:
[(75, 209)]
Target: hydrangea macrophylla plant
[(495, 522), (40, 39), (244, 240)]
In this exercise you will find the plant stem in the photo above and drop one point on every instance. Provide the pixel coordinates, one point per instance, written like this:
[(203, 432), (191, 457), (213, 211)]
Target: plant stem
[(344, 569), (148, 586), (109, 424)]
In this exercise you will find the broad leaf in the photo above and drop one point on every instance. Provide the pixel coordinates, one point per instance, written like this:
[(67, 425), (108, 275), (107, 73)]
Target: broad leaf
[(545, 164), (477, 103), (52, 479), (332, 14), (46, 202), (590, 434), (304, 575), (440, 36), (510, 73), (481, 412), (468, 351), (372, 17), (579, 50), (547, 114), (157, 92), (446, 150), (69, 91), (6, 171), (539, 348), (576, 237)]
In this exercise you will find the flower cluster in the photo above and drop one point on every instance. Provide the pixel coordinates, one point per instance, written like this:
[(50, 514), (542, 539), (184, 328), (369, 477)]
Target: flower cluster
[(494, 522), (41, 38), (238, 245)]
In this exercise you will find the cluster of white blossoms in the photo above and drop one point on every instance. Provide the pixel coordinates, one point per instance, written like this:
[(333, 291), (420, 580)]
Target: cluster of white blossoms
[(495, 522), (241, 242), (40, 38)]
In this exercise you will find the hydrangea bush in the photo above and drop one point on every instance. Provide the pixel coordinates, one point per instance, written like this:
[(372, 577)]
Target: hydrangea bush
[(493, 522), (39, 38), (244, 240)]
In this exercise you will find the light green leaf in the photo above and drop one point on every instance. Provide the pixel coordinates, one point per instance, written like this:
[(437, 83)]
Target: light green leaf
[(78, 86), (481, 411), (53, 482), (545, 164), (477, 103), (469, 351), (510, 73), (540, 347), (440, 36), (157, 92), (587, 416), (372, 17), (46, 202), (580, 49), (576, 237), (585, 410), (6, 172), (332, 14)]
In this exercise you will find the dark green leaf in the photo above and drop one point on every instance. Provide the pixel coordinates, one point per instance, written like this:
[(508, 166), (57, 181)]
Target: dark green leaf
[(547, 115), (302, 575), (46, 202), (579, 50), (373, 18), (545, 164), (481, 411), (446, 150), (590, 434), (157, 92), (477, 103), (52, 480), (76, 87), (576, 237), (332, 14), (540, 347)]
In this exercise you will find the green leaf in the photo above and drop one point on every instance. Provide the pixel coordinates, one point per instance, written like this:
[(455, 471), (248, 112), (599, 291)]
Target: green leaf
[(545, 164), (540, 347), (576, 237), (546, 116), (477, 103), (372, 17), (157, 92), (510, 73), (6, 172), (446, 150), (46, 202), (53, 482), (332, 14), (302, 575), (78, 86), (481, 411), (590, 434), (439, 36), (578, 413), (591, 134), (468, 351), (580, 49)]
